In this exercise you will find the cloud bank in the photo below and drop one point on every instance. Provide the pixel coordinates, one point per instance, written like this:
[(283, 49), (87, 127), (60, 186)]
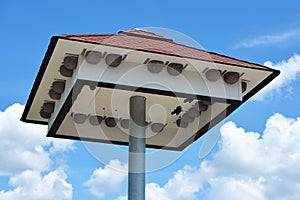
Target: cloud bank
[(248, 165), (264, 167), (26, 158)]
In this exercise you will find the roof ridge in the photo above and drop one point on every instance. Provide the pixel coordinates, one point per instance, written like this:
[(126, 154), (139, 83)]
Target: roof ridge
[(147, 34), (146, 31), (85, 35)]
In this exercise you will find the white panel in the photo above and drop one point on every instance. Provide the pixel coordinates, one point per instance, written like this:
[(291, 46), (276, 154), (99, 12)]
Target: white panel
[(137, 75), (116, 104)]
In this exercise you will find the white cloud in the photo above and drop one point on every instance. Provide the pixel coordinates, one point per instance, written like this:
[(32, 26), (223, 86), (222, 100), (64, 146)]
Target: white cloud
[(33, 185), (268, 39), (26, 157), (256, 167), (290, 71), (247, 166), (21, 143), (183, 185), (224, 188), (60, 146), (107, 179)]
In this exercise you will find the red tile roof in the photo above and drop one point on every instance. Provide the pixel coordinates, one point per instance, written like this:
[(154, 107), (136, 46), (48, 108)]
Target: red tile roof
[(151, 42)]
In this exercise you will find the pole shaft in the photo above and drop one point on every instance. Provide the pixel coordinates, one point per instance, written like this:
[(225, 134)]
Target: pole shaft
[(136, 164)]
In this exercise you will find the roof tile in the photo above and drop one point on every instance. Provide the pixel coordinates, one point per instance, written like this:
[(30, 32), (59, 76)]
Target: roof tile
[(142, 40)]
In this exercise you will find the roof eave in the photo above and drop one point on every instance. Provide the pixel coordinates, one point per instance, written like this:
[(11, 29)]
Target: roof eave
[(39, 78)]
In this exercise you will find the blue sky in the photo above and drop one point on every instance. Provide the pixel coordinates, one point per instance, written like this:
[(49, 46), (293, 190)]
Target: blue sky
[(258, 153)]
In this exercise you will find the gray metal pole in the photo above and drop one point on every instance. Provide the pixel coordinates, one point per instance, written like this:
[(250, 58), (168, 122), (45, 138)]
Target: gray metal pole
[(136, 163)]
